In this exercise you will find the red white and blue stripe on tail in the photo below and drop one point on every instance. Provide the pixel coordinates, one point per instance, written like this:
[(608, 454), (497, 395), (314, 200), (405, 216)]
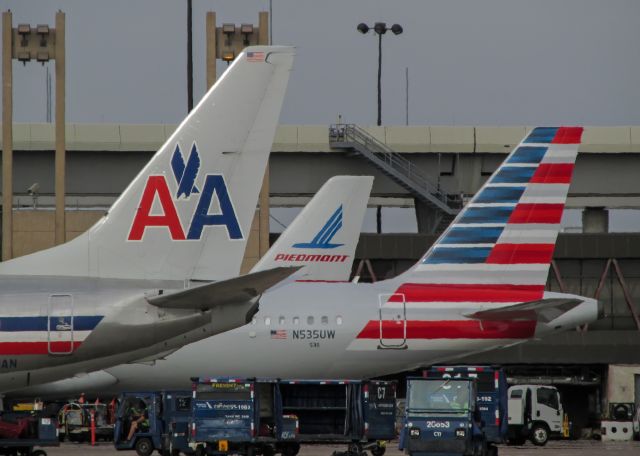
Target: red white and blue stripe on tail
[(499, 248)]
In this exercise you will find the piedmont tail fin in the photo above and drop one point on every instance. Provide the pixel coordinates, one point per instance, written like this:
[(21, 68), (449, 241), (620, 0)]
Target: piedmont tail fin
[(500, 246), (324, 236), (187, 214)]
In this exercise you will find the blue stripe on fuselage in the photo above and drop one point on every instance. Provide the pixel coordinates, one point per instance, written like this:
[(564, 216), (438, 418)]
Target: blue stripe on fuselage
[(80, 323)]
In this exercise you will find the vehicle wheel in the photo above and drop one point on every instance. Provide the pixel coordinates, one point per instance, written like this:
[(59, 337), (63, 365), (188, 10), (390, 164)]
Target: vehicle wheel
[(291, 449), (268, 450), (492, 450), (175, 452), (516, 441), (144, 447), (200, 451), (539, 434), (378, 450)]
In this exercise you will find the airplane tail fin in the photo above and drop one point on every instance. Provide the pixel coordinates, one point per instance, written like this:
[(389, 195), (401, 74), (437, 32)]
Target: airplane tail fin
[(324, 236), (187, 214), (500, 245)]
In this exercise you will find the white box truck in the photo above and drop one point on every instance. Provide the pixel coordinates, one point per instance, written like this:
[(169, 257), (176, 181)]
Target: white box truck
[(535, 413)]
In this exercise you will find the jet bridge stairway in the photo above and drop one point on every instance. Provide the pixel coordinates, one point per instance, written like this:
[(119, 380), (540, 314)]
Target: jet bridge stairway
[(397, 168)]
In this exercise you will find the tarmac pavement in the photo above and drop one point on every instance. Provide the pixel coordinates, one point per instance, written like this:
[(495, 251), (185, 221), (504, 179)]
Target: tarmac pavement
[(553, 448)]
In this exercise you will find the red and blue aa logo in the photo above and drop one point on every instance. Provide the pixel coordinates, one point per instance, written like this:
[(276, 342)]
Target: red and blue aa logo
[(185, 174)]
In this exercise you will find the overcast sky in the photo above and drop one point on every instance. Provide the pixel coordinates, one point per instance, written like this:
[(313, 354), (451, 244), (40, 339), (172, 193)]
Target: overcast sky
[(471, 62)]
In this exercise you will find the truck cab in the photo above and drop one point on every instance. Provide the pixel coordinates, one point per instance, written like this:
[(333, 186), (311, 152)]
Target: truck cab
[(442, 417), (535, 413)]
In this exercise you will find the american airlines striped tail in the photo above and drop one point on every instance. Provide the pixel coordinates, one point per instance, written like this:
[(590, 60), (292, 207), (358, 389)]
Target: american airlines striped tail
[(499, 248)]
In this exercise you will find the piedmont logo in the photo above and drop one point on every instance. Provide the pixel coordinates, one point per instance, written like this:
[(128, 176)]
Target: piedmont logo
[(185, 174), (327, 232), (322, 240)]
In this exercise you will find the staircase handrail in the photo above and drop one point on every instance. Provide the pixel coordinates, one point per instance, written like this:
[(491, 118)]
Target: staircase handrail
[(353, 133)]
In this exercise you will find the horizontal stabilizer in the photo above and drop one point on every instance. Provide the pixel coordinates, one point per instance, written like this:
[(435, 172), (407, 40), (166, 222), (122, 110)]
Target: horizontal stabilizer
[(544, 310), (224, 292)]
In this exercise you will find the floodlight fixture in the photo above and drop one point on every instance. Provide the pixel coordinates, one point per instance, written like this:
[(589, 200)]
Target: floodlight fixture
[(24, 56), (246, 30), (228, 56), (380, 28), (24, 30), (43, 31), (42, 57)]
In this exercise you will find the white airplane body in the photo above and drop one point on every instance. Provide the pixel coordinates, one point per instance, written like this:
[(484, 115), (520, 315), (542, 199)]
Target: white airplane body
[(130, 288), (479, 287)]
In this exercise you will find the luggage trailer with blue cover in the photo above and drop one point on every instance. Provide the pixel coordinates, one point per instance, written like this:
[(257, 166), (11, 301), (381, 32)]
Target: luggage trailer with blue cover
[(359, 413), (267, 416), (240, 416)]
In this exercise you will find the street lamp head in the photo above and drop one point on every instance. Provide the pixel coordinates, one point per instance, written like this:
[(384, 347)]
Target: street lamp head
[(363, 28), (396, 29), (380, 28)]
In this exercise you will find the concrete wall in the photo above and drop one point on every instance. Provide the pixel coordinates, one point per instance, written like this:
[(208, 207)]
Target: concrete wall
[(33, 230), (621, 383)]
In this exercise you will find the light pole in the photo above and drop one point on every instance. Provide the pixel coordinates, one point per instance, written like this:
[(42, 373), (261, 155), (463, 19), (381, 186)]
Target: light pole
[(380, 28)]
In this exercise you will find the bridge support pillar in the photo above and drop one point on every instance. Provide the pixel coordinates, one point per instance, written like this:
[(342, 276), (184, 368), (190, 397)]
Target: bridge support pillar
[(427, 217), (595, 220)]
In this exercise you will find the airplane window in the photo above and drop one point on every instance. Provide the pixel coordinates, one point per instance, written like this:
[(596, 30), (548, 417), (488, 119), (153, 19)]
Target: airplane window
[(338, 320), (296, 320), (309, 320), (324, 320), (267, 321), (281, 320)]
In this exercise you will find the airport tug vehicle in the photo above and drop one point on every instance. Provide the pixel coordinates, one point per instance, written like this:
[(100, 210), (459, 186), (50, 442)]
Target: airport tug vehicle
[(491, 399), (442, 417), (164, 424)]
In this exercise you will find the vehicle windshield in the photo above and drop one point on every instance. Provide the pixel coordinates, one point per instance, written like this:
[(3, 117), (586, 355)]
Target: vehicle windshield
[(438, 396)]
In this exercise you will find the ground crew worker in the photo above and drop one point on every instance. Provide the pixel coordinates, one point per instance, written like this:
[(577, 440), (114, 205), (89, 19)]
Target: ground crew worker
[(139, 418)]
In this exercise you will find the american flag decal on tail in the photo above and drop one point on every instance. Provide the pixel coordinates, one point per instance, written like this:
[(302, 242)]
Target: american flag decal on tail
[(255, 56)]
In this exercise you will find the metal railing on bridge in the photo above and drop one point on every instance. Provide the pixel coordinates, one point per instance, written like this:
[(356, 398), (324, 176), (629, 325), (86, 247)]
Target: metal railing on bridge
[(394, 165)]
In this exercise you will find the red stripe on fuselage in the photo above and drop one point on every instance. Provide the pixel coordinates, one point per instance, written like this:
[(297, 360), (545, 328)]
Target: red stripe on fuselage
[(36, 348), (449, 329), (553, 173), (521, 254), (536, 213), (435, 292), (568, 135)]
